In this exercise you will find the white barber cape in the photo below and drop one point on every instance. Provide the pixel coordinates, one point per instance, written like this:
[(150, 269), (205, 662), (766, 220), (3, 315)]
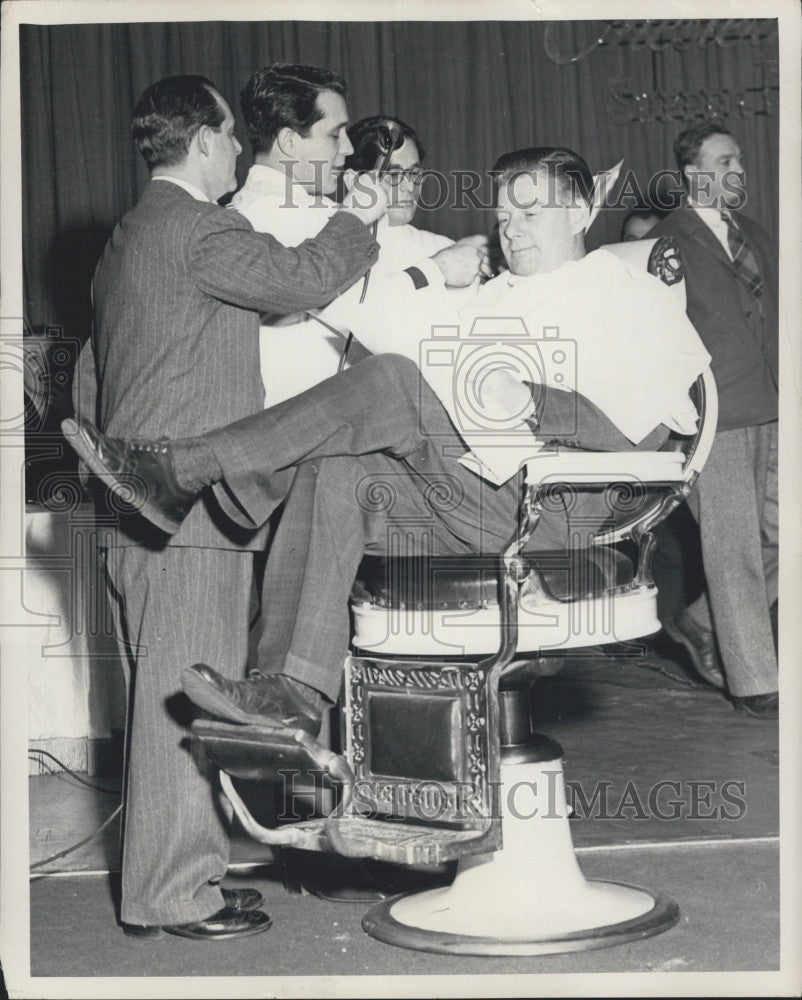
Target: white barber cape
[(597, 325), (297, 352)]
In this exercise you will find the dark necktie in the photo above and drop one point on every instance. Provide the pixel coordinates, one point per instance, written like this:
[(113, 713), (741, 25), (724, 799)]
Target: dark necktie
[(742, 256)]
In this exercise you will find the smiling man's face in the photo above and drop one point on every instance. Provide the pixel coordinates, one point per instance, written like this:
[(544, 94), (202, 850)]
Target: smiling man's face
[(717, 178), (536, 223)]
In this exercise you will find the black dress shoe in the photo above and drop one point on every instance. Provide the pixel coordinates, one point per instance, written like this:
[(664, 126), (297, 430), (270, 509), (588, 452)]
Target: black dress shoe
[(140, 472), (759, 706), (226, 923), (259, 700), (701, 646), (242, 899), (236, 900)]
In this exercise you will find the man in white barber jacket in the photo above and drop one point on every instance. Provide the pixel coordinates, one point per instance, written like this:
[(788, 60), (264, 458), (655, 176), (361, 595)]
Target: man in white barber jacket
[(296, 118)]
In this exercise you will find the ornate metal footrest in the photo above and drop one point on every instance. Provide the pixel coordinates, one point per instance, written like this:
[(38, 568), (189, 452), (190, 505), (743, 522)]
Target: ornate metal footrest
[(402, 843), (358, 837), (259, 753)]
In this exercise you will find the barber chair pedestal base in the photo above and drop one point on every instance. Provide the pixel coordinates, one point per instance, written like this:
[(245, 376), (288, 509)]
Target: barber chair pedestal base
[(530, 898), (356, 880)]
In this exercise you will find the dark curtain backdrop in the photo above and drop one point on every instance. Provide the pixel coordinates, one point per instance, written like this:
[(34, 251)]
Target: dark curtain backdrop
[(471, 89)]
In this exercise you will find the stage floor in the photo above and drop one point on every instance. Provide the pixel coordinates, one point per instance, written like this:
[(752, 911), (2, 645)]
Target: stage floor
[(672, 790)]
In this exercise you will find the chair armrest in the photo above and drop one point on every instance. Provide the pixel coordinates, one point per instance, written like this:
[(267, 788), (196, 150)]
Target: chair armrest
[(590, 467), (571, 465)]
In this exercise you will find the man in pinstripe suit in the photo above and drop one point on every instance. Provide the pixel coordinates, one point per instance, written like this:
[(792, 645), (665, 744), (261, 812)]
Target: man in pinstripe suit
[(175, 351)]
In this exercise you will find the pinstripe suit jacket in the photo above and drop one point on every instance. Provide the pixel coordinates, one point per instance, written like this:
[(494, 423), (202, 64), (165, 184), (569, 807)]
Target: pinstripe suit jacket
[(177, 296)]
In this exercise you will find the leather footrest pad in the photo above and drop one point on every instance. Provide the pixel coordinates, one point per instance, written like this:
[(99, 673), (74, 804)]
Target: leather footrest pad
[(257, 753)]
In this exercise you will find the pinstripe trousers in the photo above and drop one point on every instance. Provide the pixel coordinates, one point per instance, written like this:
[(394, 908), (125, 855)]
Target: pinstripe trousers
[(735, 503), (174, 607)]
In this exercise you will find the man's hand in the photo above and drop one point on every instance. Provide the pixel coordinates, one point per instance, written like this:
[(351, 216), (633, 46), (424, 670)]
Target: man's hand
[(367, 199), (464, 261), (503, 397)]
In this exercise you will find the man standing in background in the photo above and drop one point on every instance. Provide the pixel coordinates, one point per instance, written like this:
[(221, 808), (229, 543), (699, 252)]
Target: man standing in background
[(730, 269)]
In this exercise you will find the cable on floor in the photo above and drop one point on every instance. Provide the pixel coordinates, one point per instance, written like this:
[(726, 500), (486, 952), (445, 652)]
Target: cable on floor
[(74, 847), (89, 784), (63, 766), (681, 681), (588, 670)]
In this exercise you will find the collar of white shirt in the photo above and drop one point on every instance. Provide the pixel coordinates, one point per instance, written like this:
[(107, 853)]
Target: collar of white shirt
[(712, 219), (263, 181), (196, 193)]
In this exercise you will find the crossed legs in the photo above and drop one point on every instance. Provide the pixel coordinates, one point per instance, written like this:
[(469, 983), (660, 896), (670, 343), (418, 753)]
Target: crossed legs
[(340, 508)]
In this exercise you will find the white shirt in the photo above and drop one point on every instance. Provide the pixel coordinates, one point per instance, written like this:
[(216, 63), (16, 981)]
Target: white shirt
[(273, 204), (196, 193), (712, 219), (403, 246), (300, 351)]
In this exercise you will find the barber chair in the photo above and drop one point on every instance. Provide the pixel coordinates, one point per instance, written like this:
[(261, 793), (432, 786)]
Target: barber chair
[(439, 761)]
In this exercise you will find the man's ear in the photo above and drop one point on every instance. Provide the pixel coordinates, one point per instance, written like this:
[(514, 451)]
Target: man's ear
[(691, 179), (285, 141), (579, 215), (201, 138)]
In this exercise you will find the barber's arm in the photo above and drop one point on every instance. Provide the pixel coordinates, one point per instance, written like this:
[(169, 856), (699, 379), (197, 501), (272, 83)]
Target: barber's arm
[(400, 309), (231, 262)]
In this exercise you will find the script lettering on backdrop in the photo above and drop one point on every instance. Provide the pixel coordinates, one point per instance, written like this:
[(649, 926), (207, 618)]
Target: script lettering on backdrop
[(633, 104), (569, 42)]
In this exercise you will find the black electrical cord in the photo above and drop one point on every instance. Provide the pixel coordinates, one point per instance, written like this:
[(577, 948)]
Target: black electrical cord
[(88, 784), (74, 847), (63, 766), (681, 681), (644, 665)]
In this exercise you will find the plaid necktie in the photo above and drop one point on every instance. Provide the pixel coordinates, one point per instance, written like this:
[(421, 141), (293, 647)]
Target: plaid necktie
[(742, 256)]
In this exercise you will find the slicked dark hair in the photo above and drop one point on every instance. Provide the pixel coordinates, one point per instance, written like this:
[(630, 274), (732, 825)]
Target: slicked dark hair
[(169, 113), (364, 136), (689, 142), (284, 96), (567, 168)]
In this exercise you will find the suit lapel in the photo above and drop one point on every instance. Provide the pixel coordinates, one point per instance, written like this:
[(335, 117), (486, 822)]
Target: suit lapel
[(697, 230)]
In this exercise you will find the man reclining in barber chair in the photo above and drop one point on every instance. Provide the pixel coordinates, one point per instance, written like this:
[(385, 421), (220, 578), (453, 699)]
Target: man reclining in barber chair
[(378, 446)]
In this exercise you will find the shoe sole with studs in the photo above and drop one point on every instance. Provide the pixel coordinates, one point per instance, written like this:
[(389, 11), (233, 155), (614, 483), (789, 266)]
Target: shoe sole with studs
[(82, 445)]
